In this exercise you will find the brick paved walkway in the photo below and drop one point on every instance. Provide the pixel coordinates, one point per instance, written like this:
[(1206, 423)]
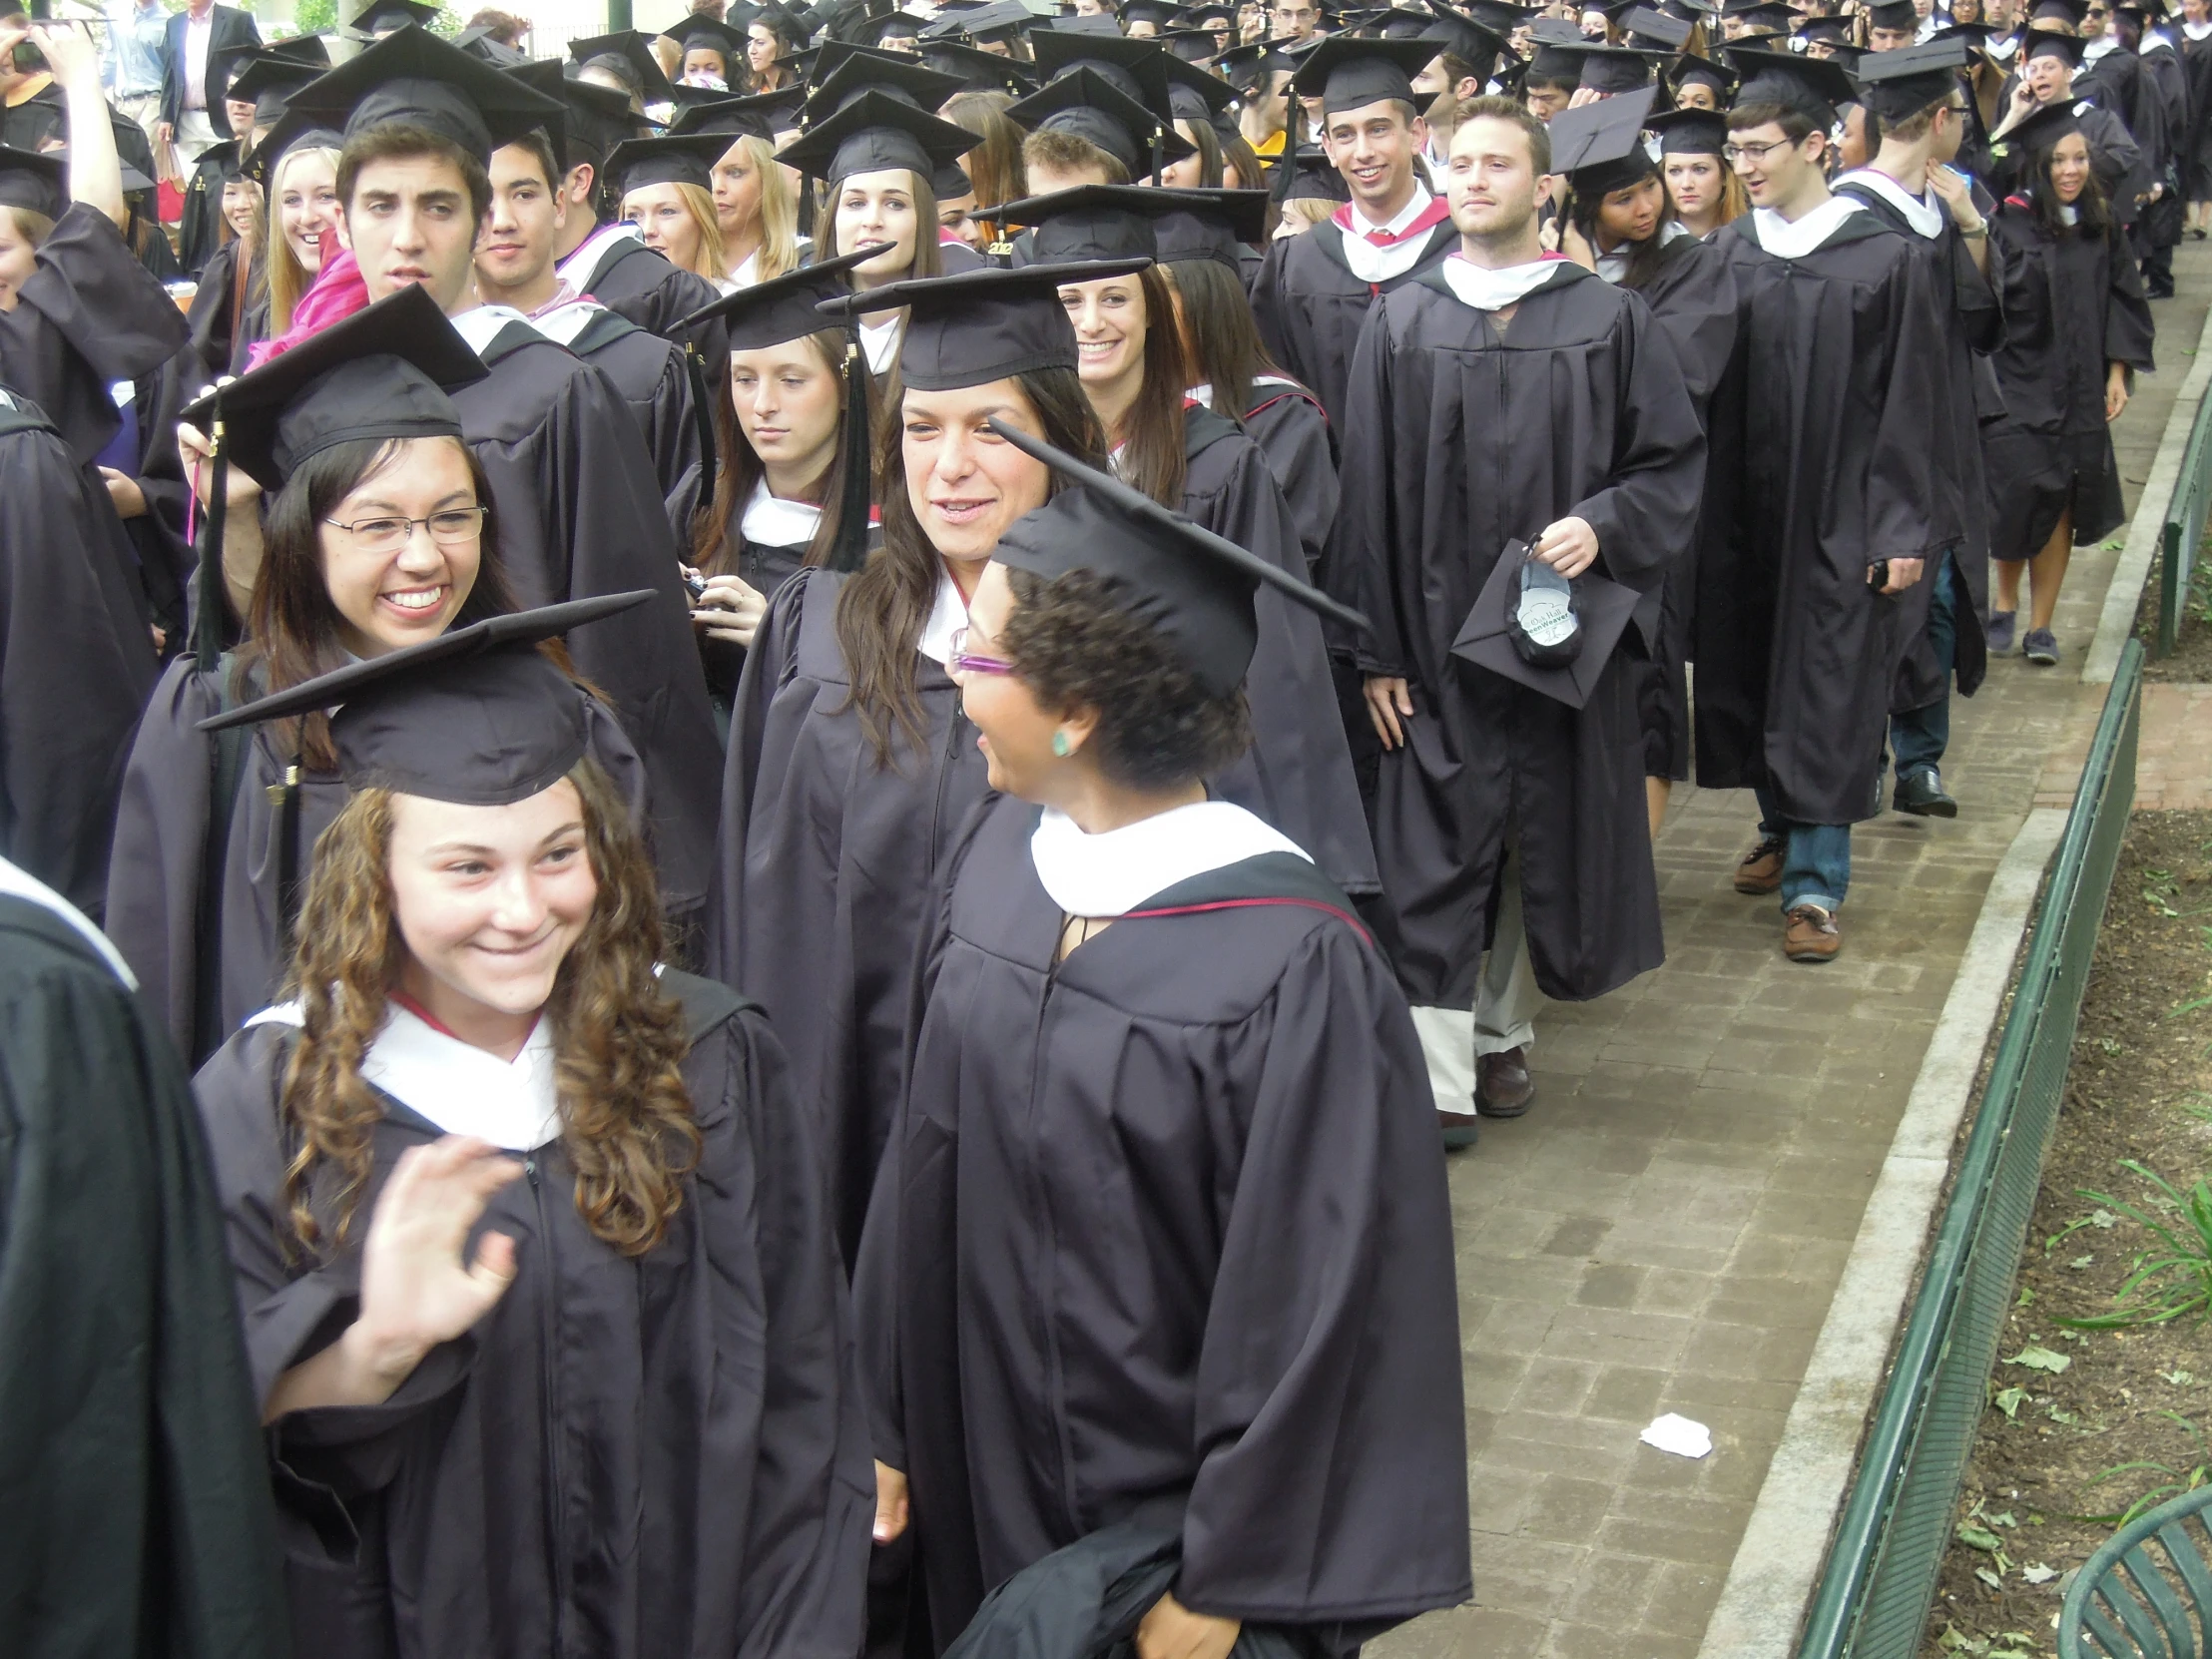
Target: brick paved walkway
[(1664, 1232)]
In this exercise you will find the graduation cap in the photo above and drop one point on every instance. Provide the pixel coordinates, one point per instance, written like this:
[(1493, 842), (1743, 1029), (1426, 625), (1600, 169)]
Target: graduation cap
[(592, 120), (1896, 16), (1099, 25), (1215, 225), (298, 130), (479, 42), (478, 716), (752, 116), (1690, 132), (1655, 31), (415, 79), (1351, 74), (1083, 102), (1310, 175), (1823, 31), (1500, 17), (1558, 57), (686, 159), (1159, 13), (893, 26), (873, 132), (1093, 221), (2044, 129), (2072, 12), (1476, 43), (1766, 16), (1812, 85), (699, 33), (849, 70), (267, 81), (976, 70), (1189, 587), (982, 325), (1194, 93), (37, 183), (1896, 85), (1687, 70), (1600, 146), (1247, 67), (2049, 43), (380, 17), (1138, 68), (1602, 606), (1001, 19), (307, 49), (1602, 68), (627, 56)]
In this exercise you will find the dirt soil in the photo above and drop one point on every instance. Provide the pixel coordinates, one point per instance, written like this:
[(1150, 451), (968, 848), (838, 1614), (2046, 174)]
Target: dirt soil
[(2046, 1484), (2192, 658)]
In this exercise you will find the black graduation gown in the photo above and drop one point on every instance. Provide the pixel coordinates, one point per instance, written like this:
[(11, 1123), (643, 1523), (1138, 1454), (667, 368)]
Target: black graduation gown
[(2196, 150), (641, 284), (1310, 309), (1457, 441), (2113, 154), (580, 514), (764, 569), (1834, 392), (655, 381), (821, 888), (1167, 1221), (625, 1458), (76, 661), (1292, 429), (218, 312), (40, 120), (2072, 306), (199, 230), (175, 914), (1970, 311), (1298, 773), (1693, 296), (135, 1521)]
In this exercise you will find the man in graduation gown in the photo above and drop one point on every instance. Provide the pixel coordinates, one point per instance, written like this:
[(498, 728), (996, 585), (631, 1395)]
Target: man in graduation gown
[(1798, 631), (139, 1518), (514, 269), (1506, 398), (1914, 99), (2049, 60), (1314, 291), (579, 504)]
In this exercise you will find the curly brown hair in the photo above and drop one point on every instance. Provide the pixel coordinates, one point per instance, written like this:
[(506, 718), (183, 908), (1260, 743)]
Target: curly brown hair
[(1076, 648), (619, 1039)]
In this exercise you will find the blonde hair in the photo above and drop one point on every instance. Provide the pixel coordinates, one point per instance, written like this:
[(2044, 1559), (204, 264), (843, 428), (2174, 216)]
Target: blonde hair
[(779, 211), (287, 278), (699, 203), (32, 226)]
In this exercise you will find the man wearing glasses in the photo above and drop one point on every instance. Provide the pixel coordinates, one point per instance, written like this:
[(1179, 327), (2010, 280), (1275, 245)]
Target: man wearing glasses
[(1296, 20), (1799, 632)]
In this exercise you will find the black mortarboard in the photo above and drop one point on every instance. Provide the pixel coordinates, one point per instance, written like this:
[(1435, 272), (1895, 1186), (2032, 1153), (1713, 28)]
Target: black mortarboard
[(1500, 17), (2049, 43), (225, 66), (982, 325), (708, 34), (1351, 74), (1690, 132), (38, 184), (686, 159), (269, 82), (1099, 25), (1687, 69), (1655, 31), (1896, 15), (1159, 13), (1310, 175), (1138, 68), (977, 69), (1247, 67), (1092, 222), (752, 116), (875, 133), (1083, 102), (1217, 224), (1189, 586), (2075, 12), (307, 49), (895, 26), (1822, 31), (1193, 46), (382, 16), (480, 42), (1766, 16), (1602, 606), (627, 55), (298, 130), (2041, 130), (1601, 145), (1898, 84), (1557, 54), (415, 79), (383, 372), (848, 71), (1003, 20), (1812, 85), (478, 716), (1194, 93), (1473, 42), (593, 119)]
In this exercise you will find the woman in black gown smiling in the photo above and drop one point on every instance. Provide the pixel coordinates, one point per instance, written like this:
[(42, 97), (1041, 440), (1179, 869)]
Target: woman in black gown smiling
[(1162, 1235)]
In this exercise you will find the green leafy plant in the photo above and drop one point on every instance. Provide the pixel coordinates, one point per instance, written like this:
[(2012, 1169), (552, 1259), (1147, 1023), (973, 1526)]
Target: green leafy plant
[(2175, 1482), (2173, 1277)]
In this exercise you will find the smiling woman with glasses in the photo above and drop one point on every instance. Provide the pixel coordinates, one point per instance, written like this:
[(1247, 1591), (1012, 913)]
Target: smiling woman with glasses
[(376, 536)]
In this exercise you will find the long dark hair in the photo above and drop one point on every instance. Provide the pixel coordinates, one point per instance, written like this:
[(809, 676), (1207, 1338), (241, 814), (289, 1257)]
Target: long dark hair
[(1649, 255), (995, 166), (1152, 457), (717, 536), (291, 626), (882, 610), (1207, 142), (1219, 335), (2092, 212)]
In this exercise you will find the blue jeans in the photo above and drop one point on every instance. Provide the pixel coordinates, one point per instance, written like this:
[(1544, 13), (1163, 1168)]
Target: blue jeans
[(1919, 737), (1815, 858)]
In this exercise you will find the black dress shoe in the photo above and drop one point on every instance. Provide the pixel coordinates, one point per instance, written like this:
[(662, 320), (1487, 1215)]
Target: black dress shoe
[(1921, 793), (1459, 1129), (1503, 1087)]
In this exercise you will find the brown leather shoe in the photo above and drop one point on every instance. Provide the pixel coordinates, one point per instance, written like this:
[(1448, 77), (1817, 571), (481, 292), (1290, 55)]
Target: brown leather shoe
[(1459, 1128), (1761, 870), (1809, 934), (1503, 1088)]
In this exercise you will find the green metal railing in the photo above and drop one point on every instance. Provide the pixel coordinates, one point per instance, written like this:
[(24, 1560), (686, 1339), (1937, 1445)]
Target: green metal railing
[(1881, 1567), (2183, 531)]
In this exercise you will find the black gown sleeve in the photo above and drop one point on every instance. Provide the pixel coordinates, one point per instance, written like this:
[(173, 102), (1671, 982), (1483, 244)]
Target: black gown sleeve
[(767, 664), (1647, 510), (2129, 332)]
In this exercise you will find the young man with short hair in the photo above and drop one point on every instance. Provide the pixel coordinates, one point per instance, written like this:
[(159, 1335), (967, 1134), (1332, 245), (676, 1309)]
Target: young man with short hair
[(1831, 402), (1504, 398)]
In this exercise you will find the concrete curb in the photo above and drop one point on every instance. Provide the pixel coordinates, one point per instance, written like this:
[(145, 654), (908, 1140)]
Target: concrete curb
[(1770, 1581), (2124, 596)]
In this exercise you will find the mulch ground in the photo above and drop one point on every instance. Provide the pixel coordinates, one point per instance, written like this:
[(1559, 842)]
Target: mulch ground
[(2192, 658), (2083, 1425)]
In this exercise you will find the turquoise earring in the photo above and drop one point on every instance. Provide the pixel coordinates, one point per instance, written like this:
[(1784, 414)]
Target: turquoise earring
[(1060, 745)]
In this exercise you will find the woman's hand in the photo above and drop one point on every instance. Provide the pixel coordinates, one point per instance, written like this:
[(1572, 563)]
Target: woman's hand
[(1172, 1631), (69, 53), (1390, 704), (1568, 545), (730, 609), (123, 491), (2115, 390), (1577, 245), (198, 450), (891, 1508)]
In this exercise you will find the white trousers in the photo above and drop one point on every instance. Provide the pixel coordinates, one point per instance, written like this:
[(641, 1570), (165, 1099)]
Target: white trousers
[(1504, 1012), (194, 133)]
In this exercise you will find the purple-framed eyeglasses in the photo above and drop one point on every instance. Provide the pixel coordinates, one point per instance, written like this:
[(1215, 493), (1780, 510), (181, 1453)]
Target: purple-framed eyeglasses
[(961, 663)]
